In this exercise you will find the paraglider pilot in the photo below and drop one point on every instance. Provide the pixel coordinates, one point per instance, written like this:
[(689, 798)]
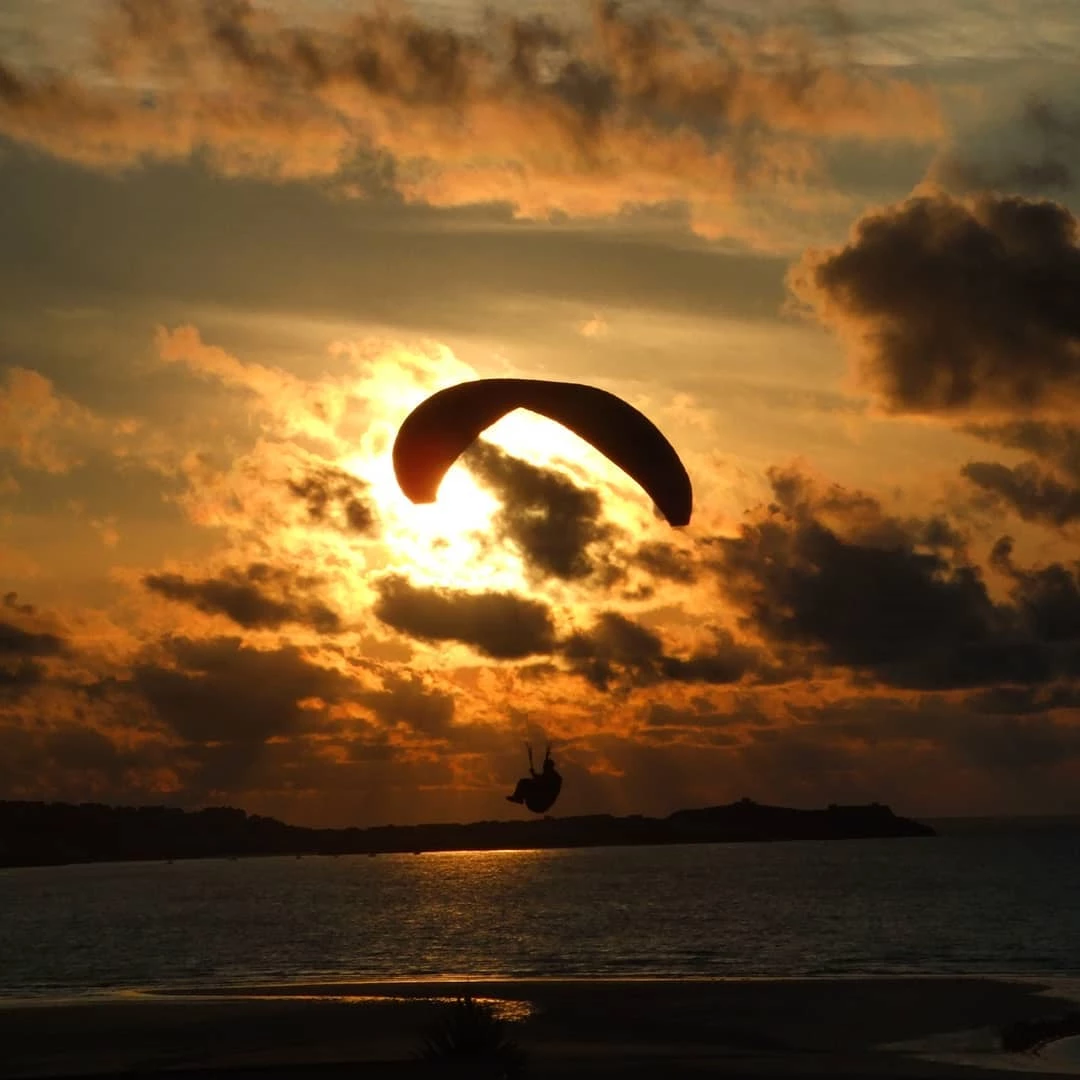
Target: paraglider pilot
[(539, 790)]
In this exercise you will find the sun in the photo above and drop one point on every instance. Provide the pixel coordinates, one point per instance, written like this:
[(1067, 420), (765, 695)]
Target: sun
[(453, 542)]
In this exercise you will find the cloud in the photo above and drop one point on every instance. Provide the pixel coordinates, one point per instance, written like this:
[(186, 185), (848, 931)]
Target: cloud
[(1029, 490), (616, 651), (957, 307), (15, 641), (1045, 489), (246, 597), (556, 526), (217, 690), (596, 326), (835, 579), (1055, 444), (22, 646), (1023, 700), (666, 562), (407, 699), (623, 112), (498, 624), (73, 761), (294, 408), (44, 430), (560, 531), (950, 737), (1047, 162), (1047, 598), (326, 489)]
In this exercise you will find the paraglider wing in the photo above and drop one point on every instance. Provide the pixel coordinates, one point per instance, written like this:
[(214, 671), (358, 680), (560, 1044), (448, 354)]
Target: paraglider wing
[(442, 427)]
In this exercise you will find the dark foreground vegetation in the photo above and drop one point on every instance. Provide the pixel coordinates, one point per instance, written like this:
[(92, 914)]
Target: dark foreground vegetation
[(43, 834)]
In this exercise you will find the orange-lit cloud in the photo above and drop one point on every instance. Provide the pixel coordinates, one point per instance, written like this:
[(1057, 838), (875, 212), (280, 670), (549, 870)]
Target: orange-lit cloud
[(43, 429), (313, 665), (629, 111)]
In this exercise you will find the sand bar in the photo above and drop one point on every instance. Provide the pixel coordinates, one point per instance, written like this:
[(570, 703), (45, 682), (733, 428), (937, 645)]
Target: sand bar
[(570, 1028)]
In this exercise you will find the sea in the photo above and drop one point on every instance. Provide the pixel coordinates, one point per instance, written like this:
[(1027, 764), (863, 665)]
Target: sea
[(984, 904)]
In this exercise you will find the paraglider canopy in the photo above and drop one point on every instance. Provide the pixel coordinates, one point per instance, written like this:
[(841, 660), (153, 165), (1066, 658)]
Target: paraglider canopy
[(539, 790), (442, 427)]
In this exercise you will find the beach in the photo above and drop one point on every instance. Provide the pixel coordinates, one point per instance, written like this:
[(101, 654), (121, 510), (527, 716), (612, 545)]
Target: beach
[(896, 1027)]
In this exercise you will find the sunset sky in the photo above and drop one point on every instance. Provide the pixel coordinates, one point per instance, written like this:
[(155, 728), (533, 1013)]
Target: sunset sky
[(830, 249)]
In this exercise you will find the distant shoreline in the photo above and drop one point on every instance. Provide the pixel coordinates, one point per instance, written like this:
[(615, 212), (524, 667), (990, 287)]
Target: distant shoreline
[(56, 834)]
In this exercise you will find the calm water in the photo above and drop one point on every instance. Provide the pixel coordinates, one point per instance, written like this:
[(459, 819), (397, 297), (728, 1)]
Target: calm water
[(974, 904)]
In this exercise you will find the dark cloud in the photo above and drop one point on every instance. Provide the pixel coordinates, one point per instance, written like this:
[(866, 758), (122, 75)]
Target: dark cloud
[(616, 651), (997, 743), (22, 648), (666, 562), (1046, 598), (17, 642), (75, 762), (333, 496), (1012, 746), (557, 526), (872, 595), (559, 529), (957, 305), (220, 691), (498, 624), (1045, 489), (1057, 445), (616, 648), (16, 677), (261, 596), (1029, 490), (1023, 700), (409, 700), (11, 602), (79, 748), (697, 724)]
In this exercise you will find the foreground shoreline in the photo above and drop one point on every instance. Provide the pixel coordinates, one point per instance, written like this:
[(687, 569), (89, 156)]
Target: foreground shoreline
[(878, 1026)]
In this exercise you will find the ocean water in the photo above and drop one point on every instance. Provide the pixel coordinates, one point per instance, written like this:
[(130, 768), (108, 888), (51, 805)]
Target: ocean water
[(979, 904)]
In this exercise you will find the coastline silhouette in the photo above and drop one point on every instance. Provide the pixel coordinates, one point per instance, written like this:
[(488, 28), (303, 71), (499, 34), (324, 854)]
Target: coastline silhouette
[(43, 834)]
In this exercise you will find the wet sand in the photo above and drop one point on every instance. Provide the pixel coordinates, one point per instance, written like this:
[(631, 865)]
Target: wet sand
[(570, 1029)]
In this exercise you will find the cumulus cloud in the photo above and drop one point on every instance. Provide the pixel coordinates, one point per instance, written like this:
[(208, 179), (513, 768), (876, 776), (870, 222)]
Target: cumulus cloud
[(501, 625), (556, 526), (260, 596), (956, 306), (628, 110), (837, 579)]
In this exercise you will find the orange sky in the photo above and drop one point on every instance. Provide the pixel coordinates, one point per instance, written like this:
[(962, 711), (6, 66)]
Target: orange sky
[(830, 250)]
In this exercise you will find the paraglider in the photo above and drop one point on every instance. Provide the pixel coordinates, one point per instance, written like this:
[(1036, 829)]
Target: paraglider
[(539, 790), (442, 427)]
